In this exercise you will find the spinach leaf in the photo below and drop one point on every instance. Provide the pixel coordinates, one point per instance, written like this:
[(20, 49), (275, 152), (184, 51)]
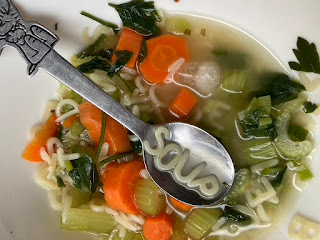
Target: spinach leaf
[(282, 89), (95, 63), (278, 180), (143, 52), (115, 157), (307, 56), (236, 216), (309, 107), (124, 57), (60, 182), (140, 16), (114, 27), (96, 47), (231, 60), (137, 146), (84, 174)]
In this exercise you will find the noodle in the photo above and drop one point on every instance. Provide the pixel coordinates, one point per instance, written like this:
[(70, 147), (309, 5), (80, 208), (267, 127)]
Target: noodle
[(61, 104), (154, 99)]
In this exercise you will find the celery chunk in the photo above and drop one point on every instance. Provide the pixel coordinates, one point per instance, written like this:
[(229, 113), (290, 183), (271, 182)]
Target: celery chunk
[(240, 184), (129, 236), (200, 221), (285, 145), (89, 221), (235, 81)]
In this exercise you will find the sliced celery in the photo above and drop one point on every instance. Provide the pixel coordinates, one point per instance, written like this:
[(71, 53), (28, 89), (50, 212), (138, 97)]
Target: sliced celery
[(79, 198), (265, 121), (129, 236), (89, 221), (252, 106), (271, 172), (178, 230), (293, 105), (240, 184), (77, 128), (148, 198), (297, 133), (264, 105), (176, 25), (200, 221), (259, 150), (235, 81), (285, 145)]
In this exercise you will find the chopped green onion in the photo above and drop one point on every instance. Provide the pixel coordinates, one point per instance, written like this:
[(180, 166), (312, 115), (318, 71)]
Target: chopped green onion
[(103, 134), (60, 182), (305, 174), (297, 133), (114, 27), (68, 165), (115, 157)]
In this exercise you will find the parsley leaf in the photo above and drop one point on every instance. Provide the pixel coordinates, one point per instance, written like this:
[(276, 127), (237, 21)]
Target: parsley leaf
[(140, 16), (307, 56), (124, 57), (309, 107), (84, 174)]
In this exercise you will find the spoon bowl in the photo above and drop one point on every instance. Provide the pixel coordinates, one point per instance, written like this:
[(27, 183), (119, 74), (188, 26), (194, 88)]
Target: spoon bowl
[(202, 148)]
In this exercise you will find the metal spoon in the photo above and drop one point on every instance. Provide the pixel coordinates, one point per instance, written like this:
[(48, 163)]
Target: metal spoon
[(35, 44)]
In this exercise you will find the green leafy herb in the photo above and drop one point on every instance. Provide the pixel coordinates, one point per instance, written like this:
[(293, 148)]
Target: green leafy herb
[(107, 54), (236, 216), (94, 48), (282, 89), (94, 64), (84, 174), (60, 182), (103, 134), (114, 27), (256, 120), (137, 146), (279, 178), (123, 58), (143, 52), (307, 56), (309, 107), (140, 16), (297, 133), (115, 157)]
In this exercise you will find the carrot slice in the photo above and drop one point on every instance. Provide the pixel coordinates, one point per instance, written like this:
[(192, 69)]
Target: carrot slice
[(162, 52), (119, 183), (32, 151), (180, 205), (158, 228), (130, 41), (184, 103), (68, 123), (116, 135)]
